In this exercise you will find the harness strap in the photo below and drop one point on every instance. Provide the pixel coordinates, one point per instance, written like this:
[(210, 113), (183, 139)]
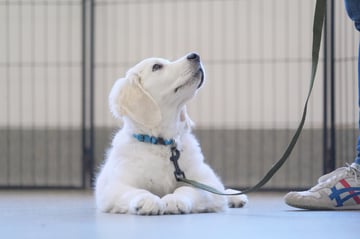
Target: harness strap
[(319, 15)]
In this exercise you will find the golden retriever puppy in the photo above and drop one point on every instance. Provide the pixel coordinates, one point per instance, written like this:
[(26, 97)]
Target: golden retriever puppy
[(138, 175)]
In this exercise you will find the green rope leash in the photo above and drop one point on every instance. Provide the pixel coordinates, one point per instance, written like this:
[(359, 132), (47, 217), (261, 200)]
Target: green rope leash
[(319, 16)]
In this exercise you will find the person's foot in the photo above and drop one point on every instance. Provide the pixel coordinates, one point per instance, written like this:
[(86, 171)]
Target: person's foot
[(338, 190)]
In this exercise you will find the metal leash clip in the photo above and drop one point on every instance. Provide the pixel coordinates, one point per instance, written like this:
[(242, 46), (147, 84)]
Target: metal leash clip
[(175, 155)]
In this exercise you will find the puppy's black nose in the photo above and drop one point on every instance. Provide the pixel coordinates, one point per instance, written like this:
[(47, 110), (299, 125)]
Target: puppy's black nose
[(193, 57)]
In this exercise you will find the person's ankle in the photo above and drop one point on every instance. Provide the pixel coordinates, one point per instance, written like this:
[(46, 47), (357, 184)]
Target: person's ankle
[(355, 166)]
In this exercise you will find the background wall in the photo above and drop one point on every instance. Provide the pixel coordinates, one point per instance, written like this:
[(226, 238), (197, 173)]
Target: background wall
[(257, 56)]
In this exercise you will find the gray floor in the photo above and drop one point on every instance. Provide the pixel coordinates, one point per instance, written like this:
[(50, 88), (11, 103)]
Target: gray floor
[(71, 214)]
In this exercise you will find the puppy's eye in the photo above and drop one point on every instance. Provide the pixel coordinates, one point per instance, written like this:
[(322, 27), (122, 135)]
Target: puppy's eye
[(157, 67)]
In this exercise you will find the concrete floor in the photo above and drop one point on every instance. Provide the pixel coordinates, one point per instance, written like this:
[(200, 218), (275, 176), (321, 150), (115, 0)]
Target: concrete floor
[(71, 214)]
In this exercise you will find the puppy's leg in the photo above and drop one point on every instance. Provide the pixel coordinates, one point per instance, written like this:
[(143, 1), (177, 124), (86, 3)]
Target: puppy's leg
[(187, 199), (236, 201), (177, 203), (144, 203), (126, 199)]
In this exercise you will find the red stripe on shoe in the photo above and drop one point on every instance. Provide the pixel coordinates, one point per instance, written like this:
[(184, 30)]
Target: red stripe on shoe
[(347, 185)]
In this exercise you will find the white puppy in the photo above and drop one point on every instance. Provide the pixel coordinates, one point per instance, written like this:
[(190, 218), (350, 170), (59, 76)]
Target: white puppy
[(138, 175)]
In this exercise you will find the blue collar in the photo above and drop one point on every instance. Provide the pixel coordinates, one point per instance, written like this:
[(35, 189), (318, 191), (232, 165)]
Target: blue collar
[(153, 140), (175, 153)]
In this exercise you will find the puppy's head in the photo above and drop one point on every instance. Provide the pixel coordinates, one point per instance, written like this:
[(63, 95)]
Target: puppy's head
[(156, 87)]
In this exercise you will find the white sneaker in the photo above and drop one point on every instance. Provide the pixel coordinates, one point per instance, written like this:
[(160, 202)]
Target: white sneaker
[(338, 190)]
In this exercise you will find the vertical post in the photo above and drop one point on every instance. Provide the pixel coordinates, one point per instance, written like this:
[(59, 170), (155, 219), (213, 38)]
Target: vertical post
[(87, 92), (329, 137)]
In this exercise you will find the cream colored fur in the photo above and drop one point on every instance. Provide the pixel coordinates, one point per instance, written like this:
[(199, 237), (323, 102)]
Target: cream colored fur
[(138, 177)]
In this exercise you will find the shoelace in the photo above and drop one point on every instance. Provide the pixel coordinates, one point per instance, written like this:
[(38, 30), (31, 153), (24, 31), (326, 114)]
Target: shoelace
[(335, 176), (356, 174)]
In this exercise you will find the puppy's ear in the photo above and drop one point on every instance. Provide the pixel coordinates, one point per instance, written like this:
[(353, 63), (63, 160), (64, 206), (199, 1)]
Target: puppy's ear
[(128, 98), (184, 117)]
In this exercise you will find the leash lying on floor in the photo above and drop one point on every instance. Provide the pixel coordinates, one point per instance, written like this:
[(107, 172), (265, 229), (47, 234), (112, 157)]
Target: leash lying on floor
[(319, 16)]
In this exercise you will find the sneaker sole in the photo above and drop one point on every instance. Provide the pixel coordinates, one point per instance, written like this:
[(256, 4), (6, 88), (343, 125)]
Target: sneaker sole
[(324, 208)]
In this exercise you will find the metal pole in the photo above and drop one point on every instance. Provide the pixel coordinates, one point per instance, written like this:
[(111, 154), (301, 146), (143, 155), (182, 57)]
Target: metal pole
[(87, 92), (329, 134)]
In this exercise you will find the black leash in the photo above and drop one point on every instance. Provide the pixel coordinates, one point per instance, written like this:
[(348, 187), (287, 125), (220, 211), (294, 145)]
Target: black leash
[(319, 16)]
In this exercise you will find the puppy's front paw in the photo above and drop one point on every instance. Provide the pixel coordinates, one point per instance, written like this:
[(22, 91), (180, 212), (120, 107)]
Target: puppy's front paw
[(175, 204), (146, 204), (236, 201)]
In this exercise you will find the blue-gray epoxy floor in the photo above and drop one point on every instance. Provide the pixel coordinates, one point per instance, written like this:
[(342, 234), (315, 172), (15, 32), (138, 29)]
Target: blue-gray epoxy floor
[(71, 214)]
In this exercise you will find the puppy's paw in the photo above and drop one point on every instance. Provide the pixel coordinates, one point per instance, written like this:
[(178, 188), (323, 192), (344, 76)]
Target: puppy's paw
[(175, 204), (146, 204), (236, 201)]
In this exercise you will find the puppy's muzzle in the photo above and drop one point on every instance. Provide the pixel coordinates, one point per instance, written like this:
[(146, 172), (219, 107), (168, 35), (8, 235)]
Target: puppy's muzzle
[(193, 57)]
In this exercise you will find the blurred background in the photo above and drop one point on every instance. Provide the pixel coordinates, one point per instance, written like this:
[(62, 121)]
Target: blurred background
[(60, 58)]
